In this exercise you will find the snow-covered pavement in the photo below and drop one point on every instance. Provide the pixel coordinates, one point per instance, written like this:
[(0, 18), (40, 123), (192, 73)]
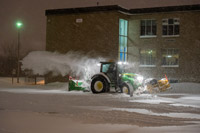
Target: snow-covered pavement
[(51, 108)]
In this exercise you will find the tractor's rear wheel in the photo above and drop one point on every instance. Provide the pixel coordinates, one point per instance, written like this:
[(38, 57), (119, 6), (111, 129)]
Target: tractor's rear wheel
[(99, 85), (125, 89)]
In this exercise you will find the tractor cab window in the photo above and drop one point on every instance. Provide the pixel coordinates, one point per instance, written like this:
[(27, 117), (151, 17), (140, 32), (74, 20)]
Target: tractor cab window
[(107, 68)]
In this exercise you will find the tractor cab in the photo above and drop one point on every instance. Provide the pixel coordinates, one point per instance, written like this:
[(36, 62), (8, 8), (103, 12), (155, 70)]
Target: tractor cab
[(112, 70)]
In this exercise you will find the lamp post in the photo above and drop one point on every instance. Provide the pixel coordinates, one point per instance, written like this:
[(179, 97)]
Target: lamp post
[(18, 25)]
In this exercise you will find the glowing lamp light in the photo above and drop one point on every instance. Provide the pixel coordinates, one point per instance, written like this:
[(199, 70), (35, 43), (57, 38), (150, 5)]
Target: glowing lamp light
[(98, 64), (119, 62), (19, 24), (125, 63), (140, 79), (169, 56), (41, 82), (122, 63), (150, 51)]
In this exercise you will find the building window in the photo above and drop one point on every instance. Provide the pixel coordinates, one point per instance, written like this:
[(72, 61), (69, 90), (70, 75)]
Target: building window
[(123, 33), (170, 27), (170, 57), (148, 27), (147, 58)]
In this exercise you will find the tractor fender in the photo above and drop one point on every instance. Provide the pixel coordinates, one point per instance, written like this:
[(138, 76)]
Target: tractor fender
[(131, 89), (103, 75)]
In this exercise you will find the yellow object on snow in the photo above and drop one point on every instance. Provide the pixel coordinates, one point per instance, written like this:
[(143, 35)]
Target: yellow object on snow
[(160, 86)]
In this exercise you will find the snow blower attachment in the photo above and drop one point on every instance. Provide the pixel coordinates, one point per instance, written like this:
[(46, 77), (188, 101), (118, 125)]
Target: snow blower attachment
[(75, 84), (154, 86)]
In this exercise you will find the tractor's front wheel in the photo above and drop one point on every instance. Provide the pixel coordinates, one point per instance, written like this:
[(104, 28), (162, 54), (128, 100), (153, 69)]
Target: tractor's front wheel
[(125, 89), (99, 85)]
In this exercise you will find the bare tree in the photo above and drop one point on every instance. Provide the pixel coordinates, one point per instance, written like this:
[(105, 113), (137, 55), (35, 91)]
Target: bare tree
[(9, 49), (8, 59)]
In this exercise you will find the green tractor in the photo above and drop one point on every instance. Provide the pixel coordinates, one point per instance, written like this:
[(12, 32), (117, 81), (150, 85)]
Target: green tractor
[(112, 75)]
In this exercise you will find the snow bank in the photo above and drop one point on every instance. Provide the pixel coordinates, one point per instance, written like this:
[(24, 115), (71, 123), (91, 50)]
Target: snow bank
[(191, 88), (145, 111), (42, 62)]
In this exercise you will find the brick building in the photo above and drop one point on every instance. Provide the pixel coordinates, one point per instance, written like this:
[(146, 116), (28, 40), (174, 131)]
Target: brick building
[(158, 41)]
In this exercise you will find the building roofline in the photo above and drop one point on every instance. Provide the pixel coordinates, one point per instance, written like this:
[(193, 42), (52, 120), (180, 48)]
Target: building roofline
[(195, 7), (166, 9), (85, 10)]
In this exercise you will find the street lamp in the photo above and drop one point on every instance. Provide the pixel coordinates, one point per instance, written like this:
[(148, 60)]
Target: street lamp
[(18, 25)]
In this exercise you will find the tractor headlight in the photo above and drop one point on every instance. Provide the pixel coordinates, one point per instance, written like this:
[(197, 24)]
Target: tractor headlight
[(125, 63), (120, 63), (140, 79), (98, 64)]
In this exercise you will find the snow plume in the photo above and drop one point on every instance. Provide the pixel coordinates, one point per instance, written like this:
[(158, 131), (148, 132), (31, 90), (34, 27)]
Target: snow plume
[(131, 66), (75, 63)]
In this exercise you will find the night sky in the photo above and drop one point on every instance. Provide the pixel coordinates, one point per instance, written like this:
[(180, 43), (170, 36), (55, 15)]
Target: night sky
[(32, 14)]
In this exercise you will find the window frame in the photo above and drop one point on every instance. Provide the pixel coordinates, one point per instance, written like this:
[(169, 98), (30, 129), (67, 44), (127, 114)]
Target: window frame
[(174, 24), (146, 35), (124, 35), (178, 51), (151, 64)]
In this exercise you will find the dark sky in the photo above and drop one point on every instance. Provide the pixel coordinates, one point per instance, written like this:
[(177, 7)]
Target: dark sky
[(32, 13)]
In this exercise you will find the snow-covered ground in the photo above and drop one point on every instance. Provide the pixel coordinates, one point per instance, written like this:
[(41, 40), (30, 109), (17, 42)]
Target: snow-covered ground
[(52, 108), (189, 88)]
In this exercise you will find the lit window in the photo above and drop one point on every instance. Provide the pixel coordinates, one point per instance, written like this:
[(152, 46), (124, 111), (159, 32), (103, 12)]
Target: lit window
[(147, 57), (123, 33), (170, 57), (148, 28), (170, 27)]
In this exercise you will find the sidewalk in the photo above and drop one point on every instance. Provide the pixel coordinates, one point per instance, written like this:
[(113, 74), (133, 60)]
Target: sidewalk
[(6, 83)]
